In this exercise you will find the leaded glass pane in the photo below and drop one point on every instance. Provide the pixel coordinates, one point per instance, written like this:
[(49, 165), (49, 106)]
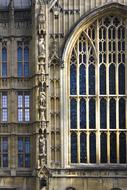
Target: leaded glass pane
[(82, 114), (103, 114), (121, 79), (113, 148), (20, 71), (91, 79), (83, 150), (112, 79), (122, 147), (74, 148), (102, 79), (103, 147), (92, 114), (122, 113), (73, 80), (112, 114), (82, 80), (92, 148), (73, 113)]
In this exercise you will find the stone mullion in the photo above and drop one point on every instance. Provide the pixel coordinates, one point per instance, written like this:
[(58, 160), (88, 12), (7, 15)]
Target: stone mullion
[(87, 102), (97, 98), (126, 82), (117, 98)]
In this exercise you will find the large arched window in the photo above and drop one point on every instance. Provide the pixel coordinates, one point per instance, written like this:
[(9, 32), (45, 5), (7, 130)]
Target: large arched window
[(97, 97)]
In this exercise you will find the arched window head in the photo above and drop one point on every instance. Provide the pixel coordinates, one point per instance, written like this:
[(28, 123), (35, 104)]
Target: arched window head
[(97, 98)]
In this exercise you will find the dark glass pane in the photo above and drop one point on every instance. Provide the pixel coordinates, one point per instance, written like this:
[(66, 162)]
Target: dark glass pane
[(5, 145), (73, 113), (4, 69), (92, 112), (112, 79), (5, 160), (27, 145), (74, 148), (103, 114), (104, 33), (84, 46), (112, 114), (20, 69), (80, 46), (19, 54), (122, 147), (113, 148), (4, 55), (91, 79), (100, 46), (26, 69), (100, 33), (4, 62), (121, 79), (26, 54), (102, 79), (122, 120), (100, 57), (83, 150), (20, 160), (103, 148), (73, 79), (82, 79), (92, 148), (82, 114), (80, 58), (20, 144), (27, 161)]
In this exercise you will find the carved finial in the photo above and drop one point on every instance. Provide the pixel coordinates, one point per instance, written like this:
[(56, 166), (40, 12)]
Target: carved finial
[(11, 4)]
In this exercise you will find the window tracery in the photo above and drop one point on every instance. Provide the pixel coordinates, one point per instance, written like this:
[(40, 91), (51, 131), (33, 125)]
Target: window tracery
[(97, 93)]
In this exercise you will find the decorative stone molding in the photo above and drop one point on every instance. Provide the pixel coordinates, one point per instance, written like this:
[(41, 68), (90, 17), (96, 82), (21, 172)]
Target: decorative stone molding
[(54, 57), (42, 142)]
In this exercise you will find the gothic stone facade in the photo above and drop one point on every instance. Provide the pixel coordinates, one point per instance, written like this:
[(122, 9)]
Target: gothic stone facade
[(50, 29)]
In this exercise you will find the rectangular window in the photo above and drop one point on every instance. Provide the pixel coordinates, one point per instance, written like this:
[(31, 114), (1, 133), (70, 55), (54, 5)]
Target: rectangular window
[(4, 107), (3, 152), (23, 59), (24, 152), (23, 107), (4, 62)]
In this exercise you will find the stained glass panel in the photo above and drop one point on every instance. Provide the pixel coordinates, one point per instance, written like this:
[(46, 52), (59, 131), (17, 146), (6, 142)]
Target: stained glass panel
[(82, 80), (112, 79), (102, 79), (82, 114), (122, 147), (73, 113), (92, 148), (121, 79), (113, 148), (103, 148), (112, 114), (122, 113), (74, 148), (103, 114), (83, 150), (91, 79), (73, 79), (92, 112)]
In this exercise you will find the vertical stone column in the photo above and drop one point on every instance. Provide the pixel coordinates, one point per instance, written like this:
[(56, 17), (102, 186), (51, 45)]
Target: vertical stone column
[(42, 94)]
